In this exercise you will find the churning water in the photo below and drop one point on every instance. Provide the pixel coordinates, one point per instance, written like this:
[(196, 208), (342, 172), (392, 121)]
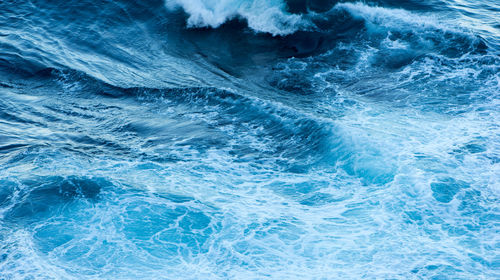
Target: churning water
[(205, 139)]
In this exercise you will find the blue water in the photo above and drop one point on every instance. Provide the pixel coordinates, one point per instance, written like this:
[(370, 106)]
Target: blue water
[(264, 139)]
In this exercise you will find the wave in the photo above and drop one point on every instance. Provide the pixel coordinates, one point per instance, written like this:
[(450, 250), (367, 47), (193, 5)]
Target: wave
[(262, 16), (263, 139), (154, 49), (281, 18)]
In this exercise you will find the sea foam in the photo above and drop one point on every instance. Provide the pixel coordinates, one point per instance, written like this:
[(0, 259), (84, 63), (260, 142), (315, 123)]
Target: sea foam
[(262, 16)]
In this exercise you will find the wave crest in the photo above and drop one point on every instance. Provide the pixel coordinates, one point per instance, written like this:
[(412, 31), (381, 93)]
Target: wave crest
[(262, 16)]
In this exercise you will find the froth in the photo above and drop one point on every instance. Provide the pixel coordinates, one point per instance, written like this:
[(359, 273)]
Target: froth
[(262, 16)]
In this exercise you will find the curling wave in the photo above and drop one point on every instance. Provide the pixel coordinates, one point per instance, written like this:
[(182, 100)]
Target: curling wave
[(261, 15)]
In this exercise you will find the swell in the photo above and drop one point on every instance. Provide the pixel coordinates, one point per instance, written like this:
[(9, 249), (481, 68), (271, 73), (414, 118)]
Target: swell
[(151, 46), (192, 124)]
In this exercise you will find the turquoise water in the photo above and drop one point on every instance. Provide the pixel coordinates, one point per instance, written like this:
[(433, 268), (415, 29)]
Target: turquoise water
[(249, 139)]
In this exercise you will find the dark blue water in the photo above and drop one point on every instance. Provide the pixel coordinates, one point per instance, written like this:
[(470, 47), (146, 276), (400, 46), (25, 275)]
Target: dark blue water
[(265, 139)]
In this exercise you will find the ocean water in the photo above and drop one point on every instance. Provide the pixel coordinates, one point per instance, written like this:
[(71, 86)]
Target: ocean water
[(264, 139)]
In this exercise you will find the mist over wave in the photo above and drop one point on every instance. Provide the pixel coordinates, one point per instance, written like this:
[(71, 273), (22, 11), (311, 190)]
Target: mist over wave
[(249, 139)]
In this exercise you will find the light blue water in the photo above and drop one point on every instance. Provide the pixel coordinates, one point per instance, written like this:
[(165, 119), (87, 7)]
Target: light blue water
[(249, 140)]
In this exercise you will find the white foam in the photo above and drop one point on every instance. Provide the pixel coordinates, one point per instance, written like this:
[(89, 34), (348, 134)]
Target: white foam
[(398, 18), (261, 15)]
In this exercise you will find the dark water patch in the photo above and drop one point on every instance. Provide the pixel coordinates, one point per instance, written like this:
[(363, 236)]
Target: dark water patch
[(13, 65), (474, 147), (41, 196), (330, 29), (10, 147), (445, 190), (305, 6), (5, 85)]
